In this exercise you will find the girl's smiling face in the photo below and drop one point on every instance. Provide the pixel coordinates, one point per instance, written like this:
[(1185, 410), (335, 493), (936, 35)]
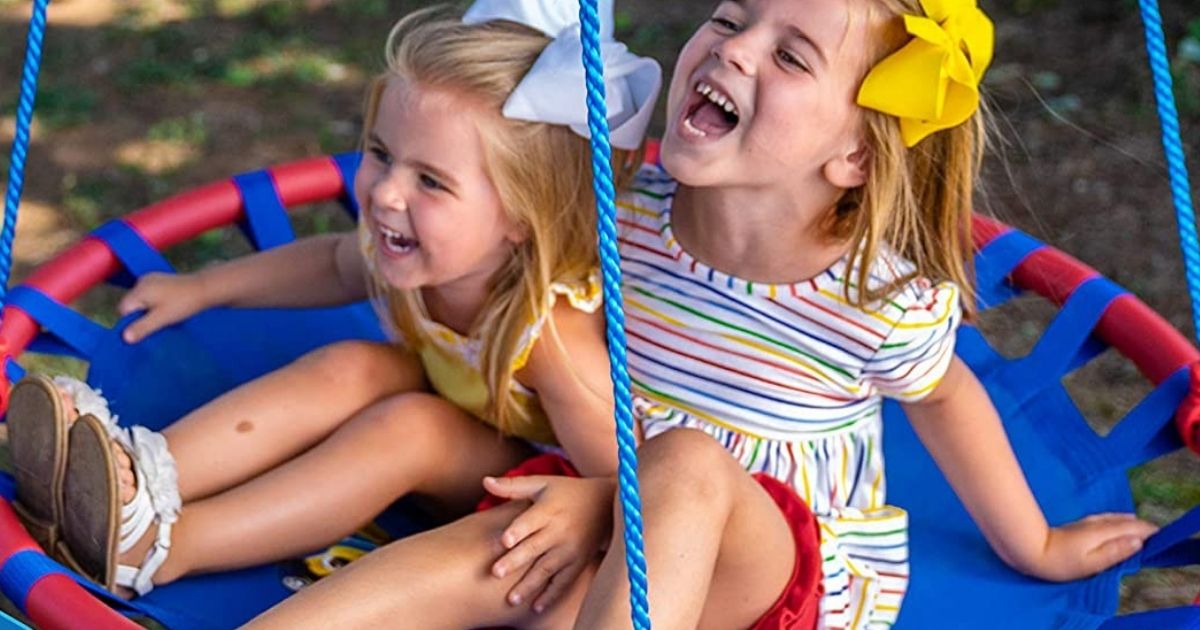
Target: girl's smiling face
[(431, 213), (763, 96)]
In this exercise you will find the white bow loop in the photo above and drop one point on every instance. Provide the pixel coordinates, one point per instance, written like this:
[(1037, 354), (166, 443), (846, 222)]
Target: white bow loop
[(554, 90)]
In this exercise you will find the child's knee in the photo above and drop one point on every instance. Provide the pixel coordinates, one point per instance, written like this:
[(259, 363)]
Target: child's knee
[(686, 461), (358, 363), (416, 422)]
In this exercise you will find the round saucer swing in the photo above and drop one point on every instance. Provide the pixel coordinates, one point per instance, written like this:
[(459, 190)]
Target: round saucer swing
[(1073, 470)]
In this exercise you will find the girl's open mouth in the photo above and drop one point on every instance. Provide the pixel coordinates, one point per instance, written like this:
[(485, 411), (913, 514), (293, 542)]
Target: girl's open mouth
[(396, 242), (710, 114)]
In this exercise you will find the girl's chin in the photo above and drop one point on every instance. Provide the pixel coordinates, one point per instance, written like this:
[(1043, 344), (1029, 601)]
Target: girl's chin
[(397, 279), (686, 168)]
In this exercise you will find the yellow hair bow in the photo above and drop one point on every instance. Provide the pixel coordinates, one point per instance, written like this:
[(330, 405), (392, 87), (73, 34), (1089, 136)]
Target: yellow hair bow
[(932, 83)]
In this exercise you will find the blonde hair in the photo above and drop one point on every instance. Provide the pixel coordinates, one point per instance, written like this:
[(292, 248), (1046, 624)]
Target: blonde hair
[(542, 173), (918, 201)]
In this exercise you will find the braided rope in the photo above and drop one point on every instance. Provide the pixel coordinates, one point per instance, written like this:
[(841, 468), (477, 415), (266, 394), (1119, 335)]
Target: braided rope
[(1185, 215), (610, 264), (20, 148)]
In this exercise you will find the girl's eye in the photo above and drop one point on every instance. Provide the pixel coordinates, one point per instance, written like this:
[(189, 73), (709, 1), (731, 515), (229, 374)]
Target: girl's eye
[(380, 155), (431, 183), (724, 24), (788, 59)]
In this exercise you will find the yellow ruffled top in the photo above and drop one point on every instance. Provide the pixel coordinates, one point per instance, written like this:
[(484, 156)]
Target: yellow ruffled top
[(452, 363)]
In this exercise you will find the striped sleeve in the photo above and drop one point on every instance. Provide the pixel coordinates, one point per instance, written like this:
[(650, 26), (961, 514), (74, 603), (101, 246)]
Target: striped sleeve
[(917, 352)]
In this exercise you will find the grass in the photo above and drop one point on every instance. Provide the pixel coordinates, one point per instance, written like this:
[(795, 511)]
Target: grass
[(59, 105)]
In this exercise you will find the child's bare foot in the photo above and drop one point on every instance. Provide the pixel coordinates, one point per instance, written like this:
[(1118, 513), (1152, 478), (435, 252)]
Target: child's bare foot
[(124, 464)]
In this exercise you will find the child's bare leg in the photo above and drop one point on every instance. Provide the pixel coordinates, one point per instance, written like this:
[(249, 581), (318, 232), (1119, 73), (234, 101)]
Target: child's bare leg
[(408, 443), (718, 550), (438, 579), (269, 420)]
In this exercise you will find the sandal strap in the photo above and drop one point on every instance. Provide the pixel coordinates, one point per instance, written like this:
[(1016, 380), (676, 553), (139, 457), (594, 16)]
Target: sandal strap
[(141, 579), (136, 517), (156, 499)]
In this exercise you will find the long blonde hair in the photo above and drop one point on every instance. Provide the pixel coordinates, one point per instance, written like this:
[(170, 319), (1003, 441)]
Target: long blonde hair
[(541, 172), (918, 201)]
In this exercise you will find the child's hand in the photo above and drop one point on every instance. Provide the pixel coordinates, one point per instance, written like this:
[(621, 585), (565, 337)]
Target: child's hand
[(569, 522), (166, 298), (1091, 545)]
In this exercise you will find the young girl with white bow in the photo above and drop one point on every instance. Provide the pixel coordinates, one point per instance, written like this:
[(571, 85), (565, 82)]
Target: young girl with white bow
[(476, 244)]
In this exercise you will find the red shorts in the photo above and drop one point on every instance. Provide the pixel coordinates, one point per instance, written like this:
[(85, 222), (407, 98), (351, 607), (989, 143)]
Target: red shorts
[(800, 602)]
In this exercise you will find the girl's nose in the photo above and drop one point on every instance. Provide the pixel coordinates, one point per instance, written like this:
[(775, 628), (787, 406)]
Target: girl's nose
[(389, 192), (736, 51)]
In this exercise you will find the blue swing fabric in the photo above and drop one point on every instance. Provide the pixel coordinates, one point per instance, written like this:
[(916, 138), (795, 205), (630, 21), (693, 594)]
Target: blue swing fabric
[(957, 580)]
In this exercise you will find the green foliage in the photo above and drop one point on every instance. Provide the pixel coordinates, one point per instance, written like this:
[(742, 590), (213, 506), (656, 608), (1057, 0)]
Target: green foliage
[(190, 130), (85, 200), (1164, 488), (60, 106), (1186, 70), (168, 55), (291, 65), (362, 8)]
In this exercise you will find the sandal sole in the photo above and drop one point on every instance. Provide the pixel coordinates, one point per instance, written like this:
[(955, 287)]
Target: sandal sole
[(91, 509), (37, 430)]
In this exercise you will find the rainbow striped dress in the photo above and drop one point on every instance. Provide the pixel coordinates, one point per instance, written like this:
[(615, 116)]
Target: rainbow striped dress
[(790, 379)]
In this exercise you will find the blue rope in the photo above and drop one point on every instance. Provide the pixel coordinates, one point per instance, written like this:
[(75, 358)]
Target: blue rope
[(20, 148), (610, 264), (1160, 68)]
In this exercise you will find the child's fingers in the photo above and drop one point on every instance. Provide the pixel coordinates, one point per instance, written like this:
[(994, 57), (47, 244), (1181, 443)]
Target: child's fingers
[(142, 327), (538, 576), (532, 520), (1112, 552), (559, 582), (1121, 528), (1109, 517), (129, 303), (521, 555), (515, 487)]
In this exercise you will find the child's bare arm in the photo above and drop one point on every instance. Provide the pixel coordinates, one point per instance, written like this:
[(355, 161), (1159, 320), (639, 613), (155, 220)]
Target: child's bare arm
[(570, 375), (963, 432), (571, 519), (318, 271)]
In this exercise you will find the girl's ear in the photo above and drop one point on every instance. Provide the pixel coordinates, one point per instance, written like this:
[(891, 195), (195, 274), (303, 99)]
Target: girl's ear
[(516, 233), (848, 170)]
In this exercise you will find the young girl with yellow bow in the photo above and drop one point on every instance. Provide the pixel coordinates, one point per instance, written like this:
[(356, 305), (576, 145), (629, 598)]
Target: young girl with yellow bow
[(801, 253)]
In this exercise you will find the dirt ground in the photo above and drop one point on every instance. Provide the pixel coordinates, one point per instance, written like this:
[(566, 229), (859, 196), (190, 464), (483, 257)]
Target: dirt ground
[(144, 98)]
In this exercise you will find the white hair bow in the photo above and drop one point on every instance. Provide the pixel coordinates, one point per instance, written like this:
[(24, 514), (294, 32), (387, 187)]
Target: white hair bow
[(554, 90)]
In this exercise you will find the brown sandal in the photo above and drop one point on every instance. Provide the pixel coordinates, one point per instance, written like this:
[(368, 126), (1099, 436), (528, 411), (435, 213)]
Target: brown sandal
[(37, 439), (91, 504), (96, 527)]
